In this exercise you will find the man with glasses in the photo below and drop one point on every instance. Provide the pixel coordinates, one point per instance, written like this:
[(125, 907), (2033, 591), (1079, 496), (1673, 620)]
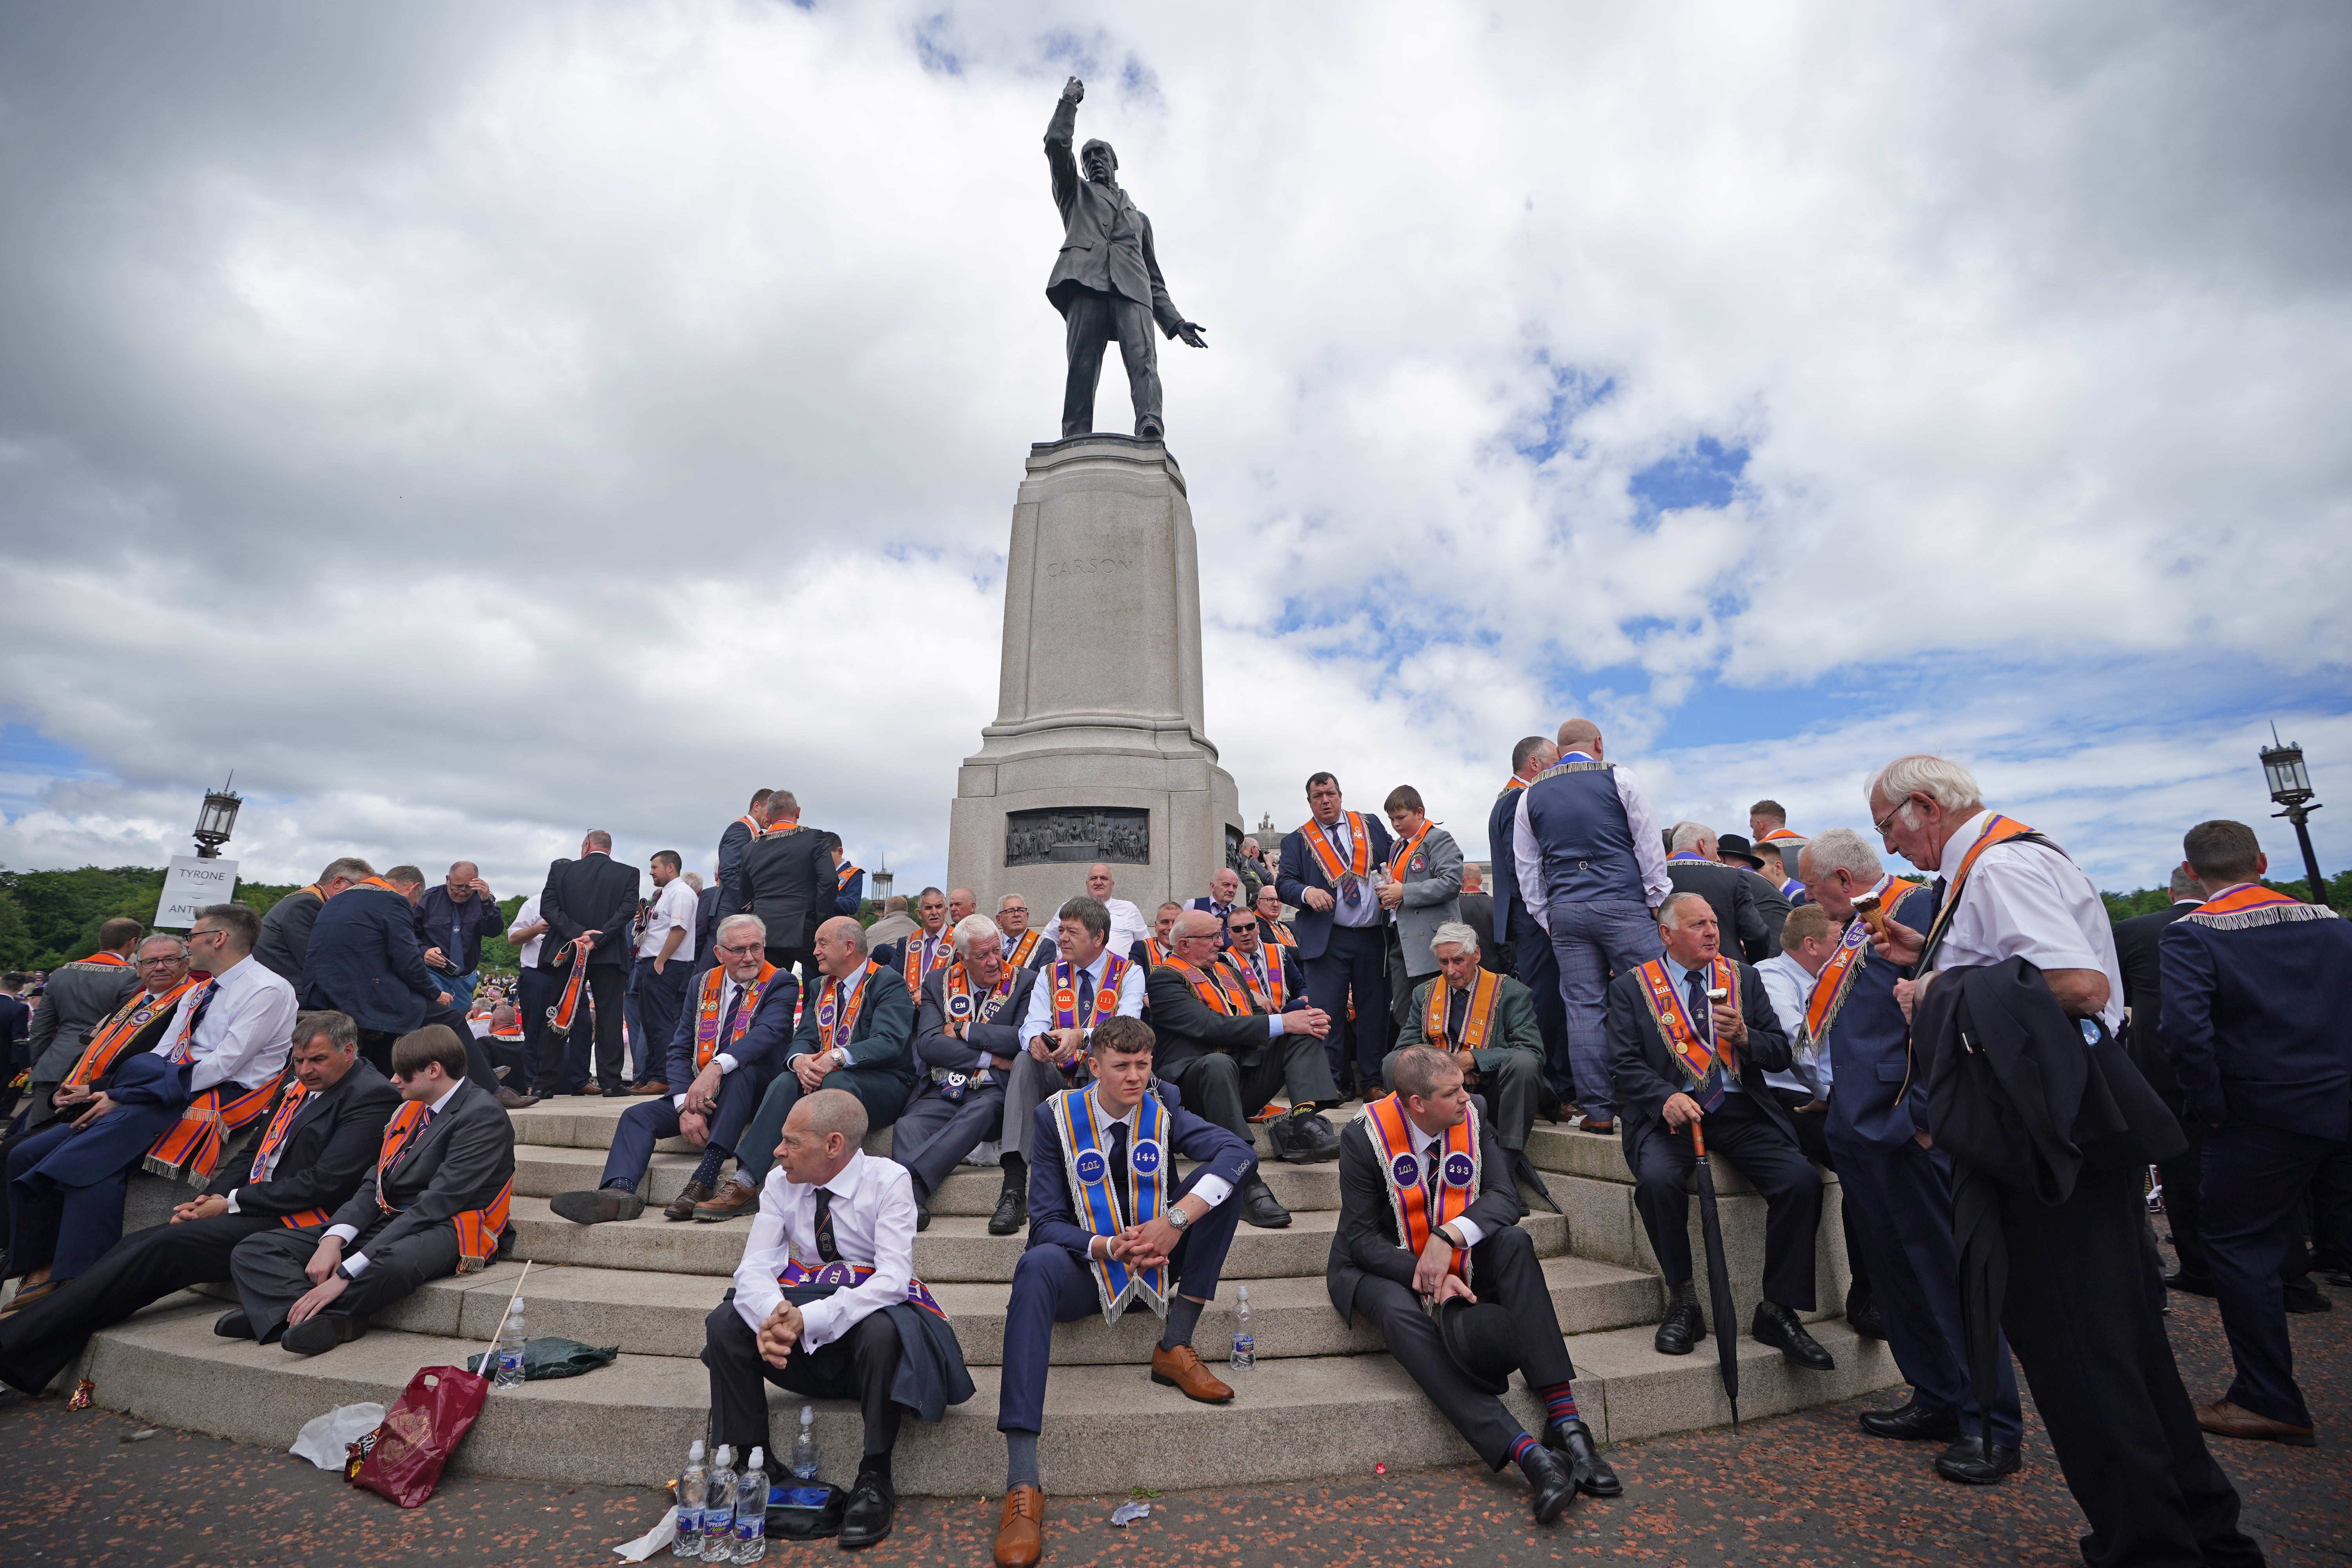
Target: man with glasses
[(451, 921), (967, 1037), (78, 996), (1024, 947)]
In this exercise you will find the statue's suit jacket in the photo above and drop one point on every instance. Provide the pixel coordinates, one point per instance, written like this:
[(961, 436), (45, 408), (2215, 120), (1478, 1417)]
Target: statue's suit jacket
[(1106, 240)]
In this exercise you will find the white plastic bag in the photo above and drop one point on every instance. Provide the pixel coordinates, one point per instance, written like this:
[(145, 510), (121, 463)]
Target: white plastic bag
[(652, 1540), (326, 1439)]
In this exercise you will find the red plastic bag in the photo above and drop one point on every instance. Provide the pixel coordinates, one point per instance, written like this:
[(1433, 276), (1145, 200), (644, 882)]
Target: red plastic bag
[(419, 1434)]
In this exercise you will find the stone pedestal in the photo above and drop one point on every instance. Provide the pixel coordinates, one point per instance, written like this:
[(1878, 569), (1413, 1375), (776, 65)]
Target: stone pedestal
[(1098, 750)]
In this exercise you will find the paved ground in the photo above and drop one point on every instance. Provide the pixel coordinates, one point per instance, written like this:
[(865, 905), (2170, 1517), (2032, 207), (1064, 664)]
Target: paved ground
[(1798, 1491)]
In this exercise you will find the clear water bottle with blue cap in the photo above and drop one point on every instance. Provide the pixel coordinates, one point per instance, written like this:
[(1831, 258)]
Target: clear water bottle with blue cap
[(693, 1484), (1245, 1356)]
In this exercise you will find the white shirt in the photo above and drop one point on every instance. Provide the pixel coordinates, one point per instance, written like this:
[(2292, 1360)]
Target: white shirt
[(1790, 986), (1040, 995), (671, 906), (1649, 849), (873, 1210), (356, 1263), (1127, 924), (2022, 901), (528, 954), (720, 1060), (1432, 1146), (247, 1030), (1209, 1189), (825, 983)]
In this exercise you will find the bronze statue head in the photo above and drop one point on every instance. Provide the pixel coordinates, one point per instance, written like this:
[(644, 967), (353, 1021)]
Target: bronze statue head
[(1099, 162)]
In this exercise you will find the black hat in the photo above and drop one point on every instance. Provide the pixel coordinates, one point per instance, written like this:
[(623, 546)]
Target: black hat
[(1481, 1341), (1733, 847)]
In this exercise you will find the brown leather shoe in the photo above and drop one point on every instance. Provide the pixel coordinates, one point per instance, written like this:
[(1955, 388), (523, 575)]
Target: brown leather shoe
[(30, 1294), (1596, 1124), (2224, 1419), (1021, 1529), (732, 1199), (682, 1205), (514, 1102), (1181, 1369), (649, 1086), (590, 1087)]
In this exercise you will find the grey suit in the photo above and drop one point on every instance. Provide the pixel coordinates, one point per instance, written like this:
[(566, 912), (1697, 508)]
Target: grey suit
[(78, 997), (1432, 898)]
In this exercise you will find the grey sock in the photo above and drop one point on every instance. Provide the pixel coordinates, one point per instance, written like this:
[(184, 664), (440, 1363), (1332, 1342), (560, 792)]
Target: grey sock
[(742, 1178), (1021, 1461), (1183, 1315)]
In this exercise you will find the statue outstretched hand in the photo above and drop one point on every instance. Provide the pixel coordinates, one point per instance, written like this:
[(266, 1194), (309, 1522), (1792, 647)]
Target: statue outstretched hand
[(1191, 332), (1073, 92)]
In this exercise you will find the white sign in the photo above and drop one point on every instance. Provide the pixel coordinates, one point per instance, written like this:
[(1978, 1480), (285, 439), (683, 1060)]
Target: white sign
[(190, 885)]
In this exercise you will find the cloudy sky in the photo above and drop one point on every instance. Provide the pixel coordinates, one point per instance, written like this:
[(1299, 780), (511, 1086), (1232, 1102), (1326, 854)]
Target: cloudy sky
[(473, 424)]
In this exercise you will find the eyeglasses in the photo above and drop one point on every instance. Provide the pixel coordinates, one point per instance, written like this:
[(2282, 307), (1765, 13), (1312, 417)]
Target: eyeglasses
[(205, 930), (744, 952), (161, 963), (1894, 811)]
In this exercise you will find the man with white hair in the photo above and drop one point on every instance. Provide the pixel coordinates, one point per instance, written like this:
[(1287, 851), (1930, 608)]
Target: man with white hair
[(2016, 919), (1697, 865), (1487, 1022), (967, 1037), (1024, 945)]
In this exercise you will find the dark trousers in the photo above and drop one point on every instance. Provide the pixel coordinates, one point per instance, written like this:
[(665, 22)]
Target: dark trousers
[(1508, 1079), (1897, 1201), (655, 999), (65, 1188), (2086, 1325), (801, 961), (1746, 1135), (1051, 1285), (1217, 1088), (859, 1365), (651, 1120), (376, 1045), (884, 1095), (1092, 318), (608, 986), (1538, 969), (268, 1270), (2183, 1177), (535, 992), (934, 1134), (2254, 1181), (1355, 963), (39, 1343), (1503, 1268), (1813, 1141)]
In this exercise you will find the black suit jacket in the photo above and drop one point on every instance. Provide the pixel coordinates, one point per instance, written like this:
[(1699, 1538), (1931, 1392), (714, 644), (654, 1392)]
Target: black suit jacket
[(1365, 1240), (2136, 945), (286, 934), (787, 881), (1645, 1073), (1478, 913), (1729, 893), (328, 1150), (594, 893), (1185, 1027), (459, 1163)]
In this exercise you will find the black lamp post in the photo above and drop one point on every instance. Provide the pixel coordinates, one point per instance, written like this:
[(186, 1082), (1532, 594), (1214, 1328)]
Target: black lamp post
[(2291, 787), (218, 818)]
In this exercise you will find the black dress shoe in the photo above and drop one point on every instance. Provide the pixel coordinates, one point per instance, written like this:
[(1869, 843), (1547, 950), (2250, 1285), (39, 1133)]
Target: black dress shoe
[(1012, 1210), (1531, 1180), (1261, 1207), (1680, 1329), (1968, 1460), (867, 1520), (1302, 1138), (1862, 1315), (2189, 1284), (2306, 1297), (234, 1325), (922, 1214), (1912, 1423), (1553, 1483), (1572, 1440), (1777, 1326), (314, 1336)]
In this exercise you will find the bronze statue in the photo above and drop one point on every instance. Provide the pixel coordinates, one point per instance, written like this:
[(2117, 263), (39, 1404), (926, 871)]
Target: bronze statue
[(1106, 281)]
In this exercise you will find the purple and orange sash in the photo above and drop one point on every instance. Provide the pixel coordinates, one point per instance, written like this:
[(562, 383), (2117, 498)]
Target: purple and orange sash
[(1065, 976), (1836, 982), (1273, 993), (1394, 1139), (1477, 1019), (708, 1012), (1220, 991), (835, 1031), (911, 962), (1360, 852), (1676, 1025), (799, 1276)]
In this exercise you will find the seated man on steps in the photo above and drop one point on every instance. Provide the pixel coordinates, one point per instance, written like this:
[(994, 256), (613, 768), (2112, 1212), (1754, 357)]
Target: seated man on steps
[(1487, 1022), (827, 1304), (968, 1034), (435, 1204), (318, 1143), (728, 1046), (1691, 1036), (1024, 947), (856, 1034), (1425, 1153), (1085, 988), (1228, 1055), (1107, 1232)]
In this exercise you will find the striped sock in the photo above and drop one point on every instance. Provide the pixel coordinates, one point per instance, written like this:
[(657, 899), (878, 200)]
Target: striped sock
[(1522, 1446), (1559, 1403)]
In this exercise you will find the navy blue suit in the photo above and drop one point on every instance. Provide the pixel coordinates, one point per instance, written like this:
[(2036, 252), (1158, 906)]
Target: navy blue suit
[(733, 843), (364, 960), (848, 895), (1054, 1283), (65, 1188), (759, 1057), (1531, 955), (1340, 960), (1897, 1196), (2255, 1022)]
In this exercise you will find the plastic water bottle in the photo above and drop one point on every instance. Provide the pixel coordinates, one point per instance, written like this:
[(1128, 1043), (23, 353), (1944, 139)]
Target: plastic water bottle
[(752, 1511), (718, 1509), (1245, 1356), (692, 1487), (803, 1463), (510, 1343)]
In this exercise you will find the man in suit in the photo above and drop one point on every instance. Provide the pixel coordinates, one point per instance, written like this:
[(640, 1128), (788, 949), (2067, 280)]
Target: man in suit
[(1695, 867), (1421, 891), (1157, 948), (724, 1051), (856, 1032), (1272, 928), (434, 1203), (787, 881), (78, 997), (1590, 871), (1772, 901), (2257, 991), (848, 881), (2135, 951), (1713, 1071), (924, 949), (1271, 971), (1106, 281), (319, 1141), (16, 1028), (590, 906), (1224, 896), (1531, 957), (1896, 1193), (1326, 872), (1477, 910), (1424, 1152), (1488, 1023), (967, 1037), (735, 839), (1023, 946), (1228, 1055), (1111, 1225), (285, 928)]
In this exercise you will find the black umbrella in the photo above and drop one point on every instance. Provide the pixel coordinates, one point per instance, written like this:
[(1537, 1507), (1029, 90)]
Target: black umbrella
[(1984, 1281), (1718, 1275)]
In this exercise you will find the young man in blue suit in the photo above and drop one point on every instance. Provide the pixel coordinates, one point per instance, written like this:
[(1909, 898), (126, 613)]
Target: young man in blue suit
[(1326, 870)]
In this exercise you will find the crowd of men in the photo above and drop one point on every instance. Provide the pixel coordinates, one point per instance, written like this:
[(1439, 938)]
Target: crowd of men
[(1990, 1067)]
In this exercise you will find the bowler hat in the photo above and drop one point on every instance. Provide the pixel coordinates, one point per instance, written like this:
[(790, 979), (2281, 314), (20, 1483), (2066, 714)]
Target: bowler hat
[(1732, 847), (1482, 1342)]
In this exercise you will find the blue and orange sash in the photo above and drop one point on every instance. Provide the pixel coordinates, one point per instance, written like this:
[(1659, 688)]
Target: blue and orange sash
[(707, 1011), (1085, 1137), (1685, 1041), (478, 1229), (1836, 982), (1394, 1139), (2252, 904), (1106, 1003), (832, 1277), (271, 1137)]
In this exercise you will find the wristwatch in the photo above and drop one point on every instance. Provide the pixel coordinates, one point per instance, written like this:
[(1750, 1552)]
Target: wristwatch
[(1177, 1217)]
